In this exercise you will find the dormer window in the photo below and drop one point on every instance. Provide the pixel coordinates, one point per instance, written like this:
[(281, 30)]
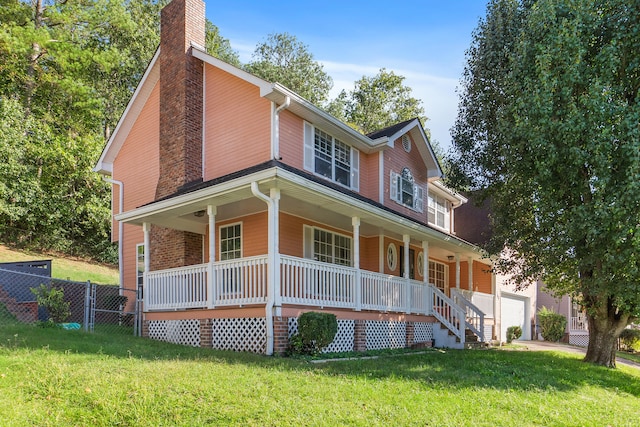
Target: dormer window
[(405, 191), (330, 158)]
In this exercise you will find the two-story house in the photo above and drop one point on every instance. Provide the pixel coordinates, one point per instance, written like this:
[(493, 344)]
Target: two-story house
[(238, 205)]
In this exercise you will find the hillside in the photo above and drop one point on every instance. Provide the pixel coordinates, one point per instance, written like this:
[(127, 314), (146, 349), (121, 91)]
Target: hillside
[(65, 268)]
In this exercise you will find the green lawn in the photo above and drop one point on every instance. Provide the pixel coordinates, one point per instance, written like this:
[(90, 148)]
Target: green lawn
[(66, 268), (51, 377)]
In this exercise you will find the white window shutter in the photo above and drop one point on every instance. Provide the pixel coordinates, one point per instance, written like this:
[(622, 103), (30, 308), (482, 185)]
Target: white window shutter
[(393, 186), (355, 169), (417, 198), (308, 242), (308, 146)]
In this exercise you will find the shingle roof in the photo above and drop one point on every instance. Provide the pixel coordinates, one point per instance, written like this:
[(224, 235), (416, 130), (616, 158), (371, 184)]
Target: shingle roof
[(388, 131)]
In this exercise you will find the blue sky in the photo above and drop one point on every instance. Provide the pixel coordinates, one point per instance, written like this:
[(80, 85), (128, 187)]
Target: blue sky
[(424, 41)]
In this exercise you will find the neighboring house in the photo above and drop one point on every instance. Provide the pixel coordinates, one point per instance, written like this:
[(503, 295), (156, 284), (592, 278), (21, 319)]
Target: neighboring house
[(511, 306), (239, 205), (577, 330)]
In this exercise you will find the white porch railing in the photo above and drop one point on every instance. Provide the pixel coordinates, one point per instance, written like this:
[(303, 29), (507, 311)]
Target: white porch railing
[(309, 282), (302, 282), (176, 288), (240, 281), (578, 323)]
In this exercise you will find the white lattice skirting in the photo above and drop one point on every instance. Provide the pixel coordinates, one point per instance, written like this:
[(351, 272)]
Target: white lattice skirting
[(579, 340), (184, 332), (385, 334), (343, 340), (423, 332), (241, 334)]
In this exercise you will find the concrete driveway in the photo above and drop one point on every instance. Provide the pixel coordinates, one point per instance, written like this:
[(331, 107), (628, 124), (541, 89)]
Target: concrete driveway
[(558, 346)]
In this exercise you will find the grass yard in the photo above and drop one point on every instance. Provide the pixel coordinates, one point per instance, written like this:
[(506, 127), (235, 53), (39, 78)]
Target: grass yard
[(65, 268), (51, 377)]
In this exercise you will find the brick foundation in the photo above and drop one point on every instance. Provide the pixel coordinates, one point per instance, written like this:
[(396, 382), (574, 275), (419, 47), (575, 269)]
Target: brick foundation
[(360, 335), (145, 328), (280, 335), (410, 333), (206, 333)]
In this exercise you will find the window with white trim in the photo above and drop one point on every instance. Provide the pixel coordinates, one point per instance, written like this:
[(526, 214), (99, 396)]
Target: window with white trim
[(230, 241), (326, 246), (330, 158), (438, 275), (439, 212), (405, 191)]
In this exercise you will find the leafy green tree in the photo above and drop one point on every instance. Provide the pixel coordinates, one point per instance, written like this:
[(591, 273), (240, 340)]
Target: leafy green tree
[(219, 46), (282, 58), (548, 131), (377, 102)]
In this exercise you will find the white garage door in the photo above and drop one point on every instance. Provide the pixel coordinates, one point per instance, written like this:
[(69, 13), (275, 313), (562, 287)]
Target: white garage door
[(513, 311)]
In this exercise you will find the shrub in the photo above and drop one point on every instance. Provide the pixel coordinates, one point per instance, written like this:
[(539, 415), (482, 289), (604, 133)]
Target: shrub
[(630, 340), (513, 333), (552, 324), (315, 332), (53, 300)]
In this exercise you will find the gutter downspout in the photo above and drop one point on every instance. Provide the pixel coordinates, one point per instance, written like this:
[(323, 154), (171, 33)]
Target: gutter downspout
[(275, 143), (120, 225), (272, 258)]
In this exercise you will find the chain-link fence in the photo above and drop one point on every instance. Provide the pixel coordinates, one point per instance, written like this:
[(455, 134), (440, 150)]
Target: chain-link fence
[(72, 305)]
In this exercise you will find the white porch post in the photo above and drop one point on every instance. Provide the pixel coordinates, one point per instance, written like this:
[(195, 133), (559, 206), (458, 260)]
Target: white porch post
[(425, 275), (211, 286), (355, 221), (407, 302), (146, 229), (274, 248), (457, 270), (470, 262), (425, 263)]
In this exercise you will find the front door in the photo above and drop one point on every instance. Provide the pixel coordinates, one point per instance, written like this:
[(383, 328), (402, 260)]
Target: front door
[(412, 263)]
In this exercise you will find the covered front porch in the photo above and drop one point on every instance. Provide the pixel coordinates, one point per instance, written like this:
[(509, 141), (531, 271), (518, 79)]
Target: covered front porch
[(276, 211)]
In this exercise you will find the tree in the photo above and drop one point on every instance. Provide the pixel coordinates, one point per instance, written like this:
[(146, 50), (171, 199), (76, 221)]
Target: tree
[(284, 59), (376, 103), (218, 46), (548, 131)]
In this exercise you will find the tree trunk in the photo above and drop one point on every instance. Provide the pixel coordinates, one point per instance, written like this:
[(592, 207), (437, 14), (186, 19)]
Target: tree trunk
[(604, 330)]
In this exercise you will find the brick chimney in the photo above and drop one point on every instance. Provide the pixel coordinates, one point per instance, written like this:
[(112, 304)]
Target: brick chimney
[(181, 86)]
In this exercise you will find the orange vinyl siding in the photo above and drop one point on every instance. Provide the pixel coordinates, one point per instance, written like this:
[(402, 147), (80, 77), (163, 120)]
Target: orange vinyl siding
[(481, 277), (396, 159), (369, 175), (237, 124), (370, 253), (254, 235), (137, 166), (291, 139)]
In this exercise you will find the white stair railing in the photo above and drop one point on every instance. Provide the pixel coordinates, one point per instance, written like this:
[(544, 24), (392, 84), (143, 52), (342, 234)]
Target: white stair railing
[(474, 317), (448, 313)]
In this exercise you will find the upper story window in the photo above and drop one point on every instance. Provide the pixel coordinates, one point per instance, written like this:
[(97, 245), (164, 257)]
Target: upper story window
[(439, 212), (331, 158), (326, 246), (405, 191)]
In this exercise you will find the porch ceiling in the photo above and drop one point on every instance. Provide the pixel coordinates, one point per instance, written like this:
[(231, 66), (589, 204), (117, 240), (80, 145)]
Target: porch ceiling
[(299, 197)]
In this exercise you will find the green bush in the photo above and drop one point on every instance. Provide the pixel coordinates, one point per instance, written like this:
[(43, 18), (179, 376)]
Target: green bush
[(552, 324), (630, 340), (513, 333), (53, 300), (315, 332)]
